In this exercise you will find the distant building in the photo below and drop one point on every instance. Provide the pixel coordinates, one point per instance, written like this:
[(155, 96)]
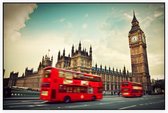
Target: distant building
[(13, 78), (5, 82), (32, 79), (112, 78), (80, 60), (158, 86)]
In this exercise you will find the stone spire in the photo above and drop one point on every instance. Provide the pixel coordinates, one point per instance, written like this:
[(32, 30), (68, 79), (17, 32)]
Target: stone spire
[(79, 48), (135, 25)]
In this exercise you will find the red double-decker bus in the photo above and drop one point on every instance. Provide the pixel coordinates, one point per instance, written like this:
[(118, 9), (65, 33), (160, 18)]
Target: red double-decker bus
[(131, 89), (66, 86)]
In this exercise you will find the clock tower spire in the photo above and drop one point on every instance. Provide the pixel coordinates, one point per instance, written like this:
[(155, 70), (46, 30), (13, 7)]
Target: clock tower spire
[(138, 52)]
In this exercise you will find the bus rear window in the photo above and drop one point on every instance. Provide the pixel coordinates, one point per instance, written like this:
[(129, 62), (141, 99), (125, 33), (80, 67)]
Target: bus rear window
[(96, 79), (125, 89), (47, 73), (45, 84), (100, 89)]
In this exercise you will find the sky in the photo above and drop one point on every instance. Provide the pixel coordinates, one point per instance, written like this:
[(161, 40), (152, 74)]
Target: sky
[(30, 30)]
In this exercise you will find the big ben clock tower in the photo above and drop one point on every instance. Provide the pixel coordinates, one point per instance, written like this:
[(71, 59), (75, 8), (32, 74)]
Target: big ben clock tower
[(139, 60)]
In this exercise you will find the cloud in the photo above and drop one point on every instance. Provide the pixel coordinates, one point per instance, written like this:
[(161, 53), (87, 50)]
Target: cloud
[(86, 15), (62, 20), (65, 22), (129, 17), (15, 16), (158, 14), (85, 25), (153, 17)]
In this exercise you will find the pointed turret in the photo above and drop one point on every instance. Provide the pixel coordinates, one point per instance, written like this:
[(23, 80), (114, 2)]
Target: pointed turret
[(79, 48), (96, 66), (120, 71), (43, 59), (134, 20), (100, 67), (135, 24), (72, 51), (59, 55), (52, 58), (64, 52), (105, 68), (113, 69), (124, 70), (109, 68), (90, 51)]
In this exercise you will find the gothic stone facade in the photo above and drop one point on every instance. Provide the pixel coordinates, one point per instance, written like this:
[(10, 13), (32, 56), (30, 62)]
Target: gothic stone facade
[(33, 79)]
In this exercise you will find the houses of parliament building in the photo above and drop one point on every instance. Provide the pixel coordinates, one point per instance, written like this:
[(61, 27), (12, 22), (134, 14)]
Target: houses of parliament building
[(81, 60)]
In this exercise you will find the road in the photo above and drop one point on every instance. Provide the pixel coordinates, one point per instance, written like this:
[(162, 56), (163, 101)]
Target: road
[(147, 102)]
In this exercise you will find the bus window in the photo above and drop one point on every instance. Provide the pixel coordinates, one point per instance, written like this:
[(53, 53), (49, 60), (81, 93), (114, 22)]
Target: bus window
[(61, 74), (100, 89), (96, 79), (78, 89), (84, 82), (45, 84), (47, 73), (83, 89), (90, 90), (74, 89), (75, 76), (67, 81), (68, 75), (78, 76), (62, 88), (125, 89), (69, 89)]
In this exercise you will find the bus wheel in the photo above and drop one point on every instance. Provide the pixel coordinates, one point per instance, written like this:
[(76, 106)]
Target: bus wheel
[(93, 98), (67, 99)]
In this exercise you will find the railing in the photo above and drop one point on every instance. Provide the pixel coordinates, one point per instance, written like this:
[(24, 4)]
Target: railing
[(8, 92), (25, 93)]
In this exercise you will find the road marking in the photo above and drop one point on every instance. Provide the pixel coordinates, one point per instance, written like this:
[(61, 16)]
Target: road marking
[(127, 107), (103, 103), (40, 105), (21, 106), (77, 106), (25, 103), (121, 101), (31, 105)]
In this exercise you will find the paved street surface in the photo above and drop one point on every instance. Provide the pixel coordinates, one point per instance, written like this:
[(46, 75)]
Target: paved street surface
[(147, 102)]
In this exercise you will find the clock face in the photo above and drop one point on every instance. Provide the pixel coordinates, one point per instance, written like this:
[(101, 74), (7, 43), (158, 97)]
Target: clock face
[(134, 39)]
